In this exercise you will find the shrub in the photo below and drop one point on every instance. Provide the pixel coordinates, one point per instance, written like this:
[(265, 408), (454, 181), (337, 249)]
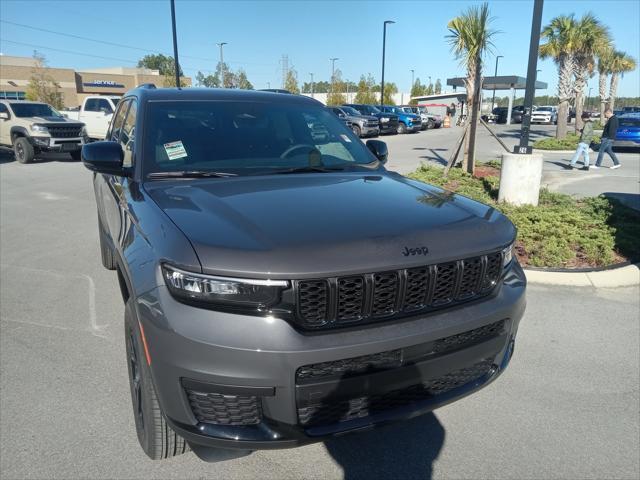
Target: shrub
[(570, 142), (561, 231)]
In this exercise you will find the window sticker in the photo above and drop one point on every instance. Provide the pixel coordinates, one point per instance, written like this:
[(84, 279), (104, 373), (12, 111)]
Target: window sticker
[(175, 150), (345, 138)]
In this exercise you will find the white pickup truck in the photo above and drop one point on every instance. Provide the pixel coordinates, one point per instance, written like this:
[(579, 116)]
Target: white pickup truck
[(95, 113)]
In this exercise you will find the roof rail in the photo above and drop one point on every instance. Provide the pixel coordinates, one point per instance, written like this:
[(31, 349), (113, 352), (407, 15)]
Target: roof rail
[(146, 85)]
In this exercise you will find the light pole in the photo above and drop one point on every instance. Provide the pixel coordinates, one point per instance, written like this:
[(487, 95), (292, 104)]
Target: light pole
[(333, 72), (493, 98), (534, 83), (175, 43), (412, 78), (384, 44), (222, 44), (311, 84), (589, 98)]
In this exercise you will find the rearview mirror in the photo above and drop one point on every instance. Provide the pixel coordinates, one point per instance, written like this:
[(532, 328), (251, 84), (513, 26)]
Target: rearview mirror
[(103, 157), (4, 115), (379, 149)]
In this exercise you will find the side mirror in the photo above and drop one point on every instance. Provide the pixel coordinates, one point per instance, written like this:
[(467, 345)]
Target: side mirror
[(103, 157), (4, 115), (379, 149)]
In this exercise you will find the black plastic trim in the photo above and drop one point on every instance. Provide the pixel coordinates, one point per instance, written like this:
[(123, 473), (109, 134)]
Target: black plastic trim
[(206, 387)]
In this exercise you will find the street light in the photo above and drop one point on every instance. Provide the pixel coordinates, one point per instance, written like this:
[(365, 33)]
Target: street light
[(175, 43), (222, 44), (493, 98), (333, 72), (412, 76), (311, 84), (384, 44)]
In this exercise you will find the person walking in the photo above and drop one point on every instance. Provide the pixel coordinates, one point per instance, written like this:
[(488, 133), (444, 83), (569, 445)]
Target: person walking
[(585, 140), (608, 136)]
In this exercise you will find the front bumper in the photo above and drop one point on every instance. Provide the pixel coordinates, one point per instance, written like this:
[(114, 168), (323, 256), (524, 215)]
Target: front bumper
[(369, 131), (50, 144), (258, 357), (389, 127), (627, 143)]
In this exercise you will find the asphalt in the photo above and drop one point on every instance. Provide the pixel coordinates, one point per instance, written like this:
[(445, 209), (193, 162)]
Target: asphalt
[(407, 152), (567, 407)]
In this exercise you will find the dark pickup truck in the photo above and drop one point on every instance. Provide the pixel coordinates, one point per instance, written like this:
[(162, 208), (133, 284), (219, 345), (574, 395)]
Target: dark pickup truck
[(280, 286), (388, 121)]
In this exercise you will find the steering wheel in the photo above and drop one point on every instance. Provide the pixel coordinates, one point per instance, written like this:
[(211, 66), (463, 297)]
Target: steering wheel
[(298, 146)]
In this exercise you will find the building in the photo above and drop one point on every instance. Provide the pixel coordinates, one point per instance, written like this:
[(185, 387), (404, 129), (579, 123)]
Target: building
[(15, 73)]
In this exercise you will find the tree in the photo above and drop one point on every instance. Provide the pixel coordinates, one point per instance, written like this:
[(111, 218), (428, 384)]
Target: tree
[(429, 89), (470, 39), (364, 92), (164, 63), (242, 81), (42, 86), (620, 64), (438, 86), (209, 81), (561, 44), (390, 89), (291, 81), (318, 87), (592, 39), (604, 70), (336, 97), (417, 90)]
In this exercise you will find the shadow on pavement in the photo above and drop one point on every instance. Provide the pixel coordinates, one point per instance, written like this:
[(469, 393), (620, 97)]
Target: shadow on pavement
[(629, 199), (436, 157), (404, 450)]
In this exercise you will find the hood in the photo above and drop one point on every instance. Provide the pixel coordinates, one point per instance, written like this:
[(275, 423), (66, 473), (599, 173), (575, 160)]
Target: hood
[(323, 224), (48, 120)]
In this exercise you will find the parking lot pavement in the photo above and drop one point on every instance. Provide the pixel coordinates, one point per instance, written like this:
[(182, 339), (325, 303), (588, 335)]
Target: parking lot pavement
[(406, 152), (566, 408)]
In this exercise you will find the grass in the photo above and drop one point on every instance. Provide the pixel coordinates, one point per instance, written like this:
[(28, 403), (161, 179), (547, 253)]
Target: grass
[(570, 142), (561, 231)]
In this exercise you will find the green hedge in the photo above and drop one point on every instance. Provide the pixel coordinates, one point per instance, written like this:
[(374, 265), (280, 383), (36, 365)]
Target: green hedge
[(570, 142), (561, 231)]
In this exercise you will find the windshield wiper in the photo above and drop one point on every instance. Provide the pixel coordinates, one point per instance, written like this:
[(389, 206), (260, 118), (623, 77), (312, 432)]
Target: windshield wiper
[(307, 169), (191, 174)]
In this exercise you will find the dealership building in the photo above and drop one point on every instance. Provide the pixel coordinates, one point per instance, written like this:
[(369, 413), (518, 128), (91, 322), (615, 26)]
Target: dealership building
[(15, 73)]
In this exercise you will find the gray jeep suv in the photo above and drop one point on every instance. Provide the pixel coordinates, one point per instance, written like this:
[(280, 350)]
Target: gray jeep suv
[(280, 285)]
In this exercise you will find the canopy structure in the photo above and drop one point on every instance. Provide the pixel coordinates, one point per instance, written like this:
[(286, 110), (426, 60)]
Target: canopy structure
[(501, 82)]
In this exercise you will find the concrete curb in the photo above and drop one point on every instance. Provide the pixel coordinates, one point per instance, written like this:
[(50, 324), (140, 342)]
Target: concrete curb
[(619, 277), (538, 150)]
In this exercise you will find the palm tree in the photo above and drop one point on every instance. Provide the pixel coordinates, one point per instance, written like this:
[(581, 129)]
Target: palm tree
[(592, 39), (620, 63), (561, 43), (470, 39), (604, 70)]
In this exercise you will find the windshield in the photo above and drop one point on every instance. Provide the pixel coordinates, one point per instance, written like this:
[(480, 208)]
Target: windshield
[(350, 111), (630, 122), (544, 109), (34, 110), (246, 138)]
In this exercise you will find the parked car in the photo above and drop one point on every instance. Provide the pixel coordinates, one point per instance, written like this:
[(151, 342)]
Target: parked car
[(281, 289), (501, 114), (34, 127), (427, 119), (407, 122), (388, 122), (545, 114), (628, 133), (95, 112), (630, 109), (362, 125)]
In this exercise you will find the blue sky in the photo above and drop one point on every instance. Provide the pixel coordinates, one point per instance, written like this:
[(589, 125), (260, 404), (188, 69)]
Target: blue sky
[(259, 33)]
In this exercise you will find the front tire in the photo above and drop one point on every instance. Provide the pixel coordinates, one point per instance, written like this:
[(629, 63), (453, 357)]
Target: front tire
[(402, 128), (356, 130), (156, 437), (431, 124), (23, 150), (76, 155)]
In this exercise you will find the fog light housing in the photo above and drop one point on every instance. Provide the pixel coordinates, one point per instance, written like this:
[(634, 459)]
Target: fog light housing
[(41, 141)]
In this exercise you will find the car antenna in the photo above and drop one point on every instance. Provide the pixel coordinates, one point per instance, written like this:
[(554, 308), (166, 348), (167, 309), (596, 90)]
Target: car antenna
[(175, 43)]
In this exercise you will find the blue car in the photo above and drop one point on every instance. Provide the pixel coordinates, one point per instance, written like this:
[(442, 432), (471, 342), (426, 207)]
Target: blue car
[(407, 122), (628, 134)]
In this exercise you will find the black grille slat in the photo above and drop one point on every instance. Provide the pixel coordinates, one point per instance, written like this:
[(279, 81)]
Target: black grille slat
[(468, 338), (470, 280), (350, 298), (378, 295), (385, 293), (313, 299), (337, 411), (445, 284), (494, 268), (219, 409), (415, 295), (350, 366)]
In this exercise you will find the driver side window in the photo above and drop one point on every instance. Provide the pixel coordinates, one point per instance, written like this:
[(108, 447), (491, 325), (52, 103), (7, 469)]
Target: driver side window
[(116, 123)]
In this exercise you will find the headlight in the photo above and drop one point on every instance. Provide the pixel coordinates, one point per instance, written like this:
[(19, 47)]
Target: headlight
[(507, 255), (384, 119), (39, 128), (83, 132), (222, 290)]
